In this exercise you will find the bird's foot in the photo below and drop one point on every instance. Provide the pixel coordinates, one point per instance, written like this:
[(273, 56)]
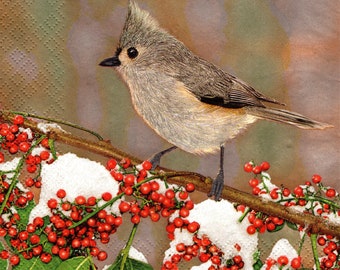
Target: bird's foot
[(217, 186), (156, 158)]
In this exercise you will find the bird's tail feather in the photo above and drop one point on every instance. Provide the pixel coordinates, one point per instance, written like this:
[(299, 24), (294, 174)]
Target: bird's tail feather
[(287, 117)]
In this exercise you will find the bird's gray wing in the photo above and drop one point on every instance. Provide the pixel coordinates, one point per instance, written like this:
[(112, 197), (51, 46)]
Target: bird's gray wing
[(217, 87)]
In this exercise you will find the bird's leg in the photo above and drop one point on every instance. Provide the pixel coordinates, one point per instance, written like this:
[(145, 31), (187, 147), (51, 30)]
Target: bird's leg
[(156, 158), (217, 185)]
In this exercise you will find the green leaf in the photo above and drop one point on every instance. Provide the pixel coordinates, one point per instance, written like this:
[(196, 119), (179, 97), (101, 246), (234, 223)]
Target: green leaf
[(277, 228), (291, 225), (76, 263), (258, 263), (129, 264), (25, 212), (36, 264)]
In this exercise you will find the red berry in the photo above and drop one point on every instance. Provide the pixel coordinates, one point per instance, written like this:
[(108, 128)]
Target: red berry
[(106, 196), (316, 178), (216, 260), (129, 180), (128, 190), (29, 182), (258, 223), (102, 214), (147, 165), (102, 255), (124, 206), (180, 247), (52, 237), (193, 226), (76, 243), (38, 222), (125, 162), (111, 164), (18, 120), (118, 221), (298, 191), (251, 229), (35, 239), (24, 146), (286, 192), (248, 167), (64, 253), (80, 200), (296, 263), (91, 201), (282, 260), (204, 257), (52, 203), (237, 259), (273, 194), (265, 166), (253, 182), (21, 201), (154, 217), (154, 185), (170, 194), (178, 222), (61, 193), (45, 257), (44, 155), (145, 188), (23, 235), (183, 195), (330, 192), (189, 187), (184, 212), (257, 169), (14, 260), (4, 254)]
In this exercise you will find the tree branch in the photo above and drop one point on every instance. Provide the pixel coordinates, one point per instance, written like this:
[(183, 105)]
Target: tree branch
[(314, 224)]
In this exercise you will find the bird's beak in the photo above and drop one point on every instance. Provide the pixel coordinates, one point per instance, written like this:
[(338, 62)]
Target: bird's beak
[(110, 62)]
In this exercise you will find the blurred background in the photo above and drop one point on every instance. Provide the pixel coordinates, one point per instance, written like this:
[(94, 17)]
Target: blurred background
[(287, 49)]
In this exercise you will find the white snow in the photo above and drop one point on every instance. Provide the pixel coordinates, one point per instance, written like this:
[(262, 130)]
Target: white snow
[(219, 221), (9, 166), (281, 248), (47, 127), (77, 176)]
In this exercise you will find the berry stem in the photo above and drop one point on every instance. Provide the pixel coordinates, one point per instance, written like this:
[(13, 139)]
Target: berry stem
[(110, 202), (17, 171), (58, 121), (125, 251), (52, 148), (313, 239)]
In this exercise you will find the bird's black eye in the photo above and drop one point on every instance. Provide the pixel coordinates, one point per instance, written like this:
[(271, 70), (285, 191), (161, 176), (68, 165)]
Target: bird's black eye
[(132, 52)]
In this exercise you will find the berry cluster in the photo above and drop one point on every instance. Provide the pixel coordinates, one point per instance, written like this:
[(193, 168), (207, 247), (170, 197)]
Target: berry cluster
[(331, 250), (307, 197), (151, 197), (205, 251), (12, 196), (283, 261), (14, 138)]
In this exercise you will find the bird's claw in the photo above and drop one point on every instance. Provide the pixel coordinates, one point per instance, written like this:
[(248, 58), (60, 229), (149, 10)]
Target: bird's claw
[(156, 158), (217, 186)]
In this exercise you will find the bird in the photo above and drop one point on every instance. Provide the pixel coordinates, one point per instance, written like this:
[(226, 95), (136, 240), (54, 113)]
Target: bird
[(190, 102)]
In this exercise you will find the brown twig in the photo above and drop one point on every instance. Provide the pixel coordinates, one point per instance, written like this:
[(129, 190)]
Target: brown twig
[(202, 183)]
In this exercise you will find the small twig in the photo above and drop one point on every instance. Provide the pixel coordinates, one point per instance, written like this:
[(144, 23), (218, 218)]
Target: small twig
[(58, 121)]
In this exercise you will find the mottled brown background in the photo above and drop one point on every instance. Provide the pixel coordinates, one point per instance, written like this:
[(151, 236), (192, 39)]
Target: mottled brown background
[(287, 49)]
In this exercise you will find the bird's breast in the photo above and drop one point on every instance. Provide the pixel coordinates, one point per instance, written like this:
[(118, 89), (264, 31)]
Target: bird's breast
[(169, 108)]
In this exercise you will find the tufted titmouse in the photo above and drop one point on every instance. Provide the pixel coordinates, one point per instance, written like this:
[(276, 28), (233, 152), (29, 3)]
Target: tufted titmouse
[(188, 101)]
